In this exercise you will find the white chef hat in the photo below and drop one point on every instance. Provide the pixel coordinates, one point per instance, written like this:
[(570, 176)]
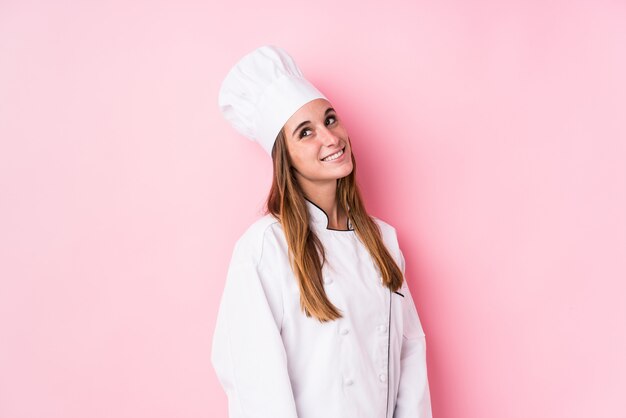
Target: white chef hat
[(262, 91)]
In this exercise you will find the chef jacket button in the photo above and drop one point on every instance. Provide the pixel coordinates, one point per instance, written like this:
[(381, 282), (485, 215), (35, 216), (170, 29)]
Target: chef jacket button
[(349, 382), (344, 331), (382, 328), (328, 280), (382, 377)]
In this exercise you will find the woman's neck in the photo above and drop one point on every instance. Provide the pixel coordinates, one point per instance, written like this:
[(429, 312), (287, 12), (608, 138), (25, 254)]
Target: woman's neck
[(326, 199)]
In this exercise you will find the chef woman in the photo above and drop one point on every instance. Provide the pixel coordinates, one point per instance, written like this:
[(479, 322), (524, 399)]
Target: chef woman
[(316, 319)]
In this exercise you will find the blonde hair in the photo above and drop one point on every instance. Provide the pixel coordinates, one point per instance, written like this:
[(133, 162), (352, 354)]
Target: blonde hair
[(286, 201)]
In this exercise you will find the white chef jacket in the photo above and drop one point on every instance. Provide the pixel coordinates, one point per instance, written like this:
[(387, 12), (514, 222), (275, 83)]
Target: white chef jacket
[(273, 361)]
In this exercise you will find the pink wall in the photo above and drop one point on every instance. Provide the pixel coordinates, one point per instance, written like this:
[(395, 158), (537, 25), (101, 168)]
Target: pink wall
[(492, 136)]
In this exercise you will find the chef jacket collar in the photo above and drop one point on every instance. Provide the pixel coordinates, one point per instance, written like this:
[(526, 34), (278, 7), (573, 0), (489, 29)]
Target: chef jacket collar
[(319, 218)]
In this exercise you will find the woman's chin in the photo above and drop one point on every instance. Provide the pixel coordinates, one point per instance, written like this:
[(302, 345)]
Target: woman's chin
[(344, 170)]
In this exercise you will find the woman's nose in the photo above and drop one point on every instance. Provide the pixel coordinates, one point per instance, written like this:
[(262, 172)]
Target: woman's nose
[(329, 137)]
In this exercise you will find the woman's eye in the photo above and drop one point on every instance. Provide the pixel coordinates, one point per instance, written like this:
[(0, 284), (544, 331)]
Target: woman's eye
[(329, 121), (302, 132)]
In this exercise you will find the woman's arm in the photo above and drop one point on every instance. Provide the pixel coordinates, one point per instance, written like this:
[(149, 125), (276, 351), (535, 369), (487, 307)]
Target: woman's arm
[(413, 399), (248, 354)]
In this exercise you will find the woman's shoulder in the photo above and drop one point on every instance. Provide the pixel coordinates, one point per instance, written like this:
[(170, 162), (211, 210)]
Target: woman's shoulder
[(385, 227), (388, 232), (259, 227), (254, 237)]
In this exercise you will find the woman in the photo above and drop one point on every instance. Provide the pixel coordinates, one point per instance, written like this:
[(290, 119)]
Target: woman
[(316, 320)]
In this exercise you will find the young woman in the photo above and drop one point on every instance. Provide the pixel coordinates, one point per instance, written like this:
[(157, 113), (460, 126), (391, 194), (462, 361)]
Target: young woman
[(316, 319)]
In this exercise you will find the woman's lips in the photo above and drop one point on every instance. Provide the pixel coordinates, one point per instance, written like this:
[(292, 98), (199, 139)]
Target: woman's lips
[(342, 151)]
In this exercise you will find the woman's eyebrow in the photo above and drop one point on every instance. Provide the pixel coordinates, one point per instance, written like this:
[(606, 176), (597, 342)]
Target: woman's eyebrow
[(330, 109)]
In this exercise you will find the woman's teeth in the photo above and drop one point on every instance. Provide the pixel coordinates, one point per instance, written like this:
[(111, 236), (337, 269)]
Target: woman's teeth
[(334, 156)]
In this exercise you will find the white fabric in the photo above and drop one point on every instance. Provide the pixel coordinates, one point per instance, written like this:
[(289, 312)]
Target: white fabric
[(274, 362), (262, 91)]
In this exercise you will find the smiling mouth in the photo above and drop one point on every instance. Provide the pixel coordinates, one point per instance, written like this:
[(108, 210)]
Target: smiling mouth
[(335, 155)]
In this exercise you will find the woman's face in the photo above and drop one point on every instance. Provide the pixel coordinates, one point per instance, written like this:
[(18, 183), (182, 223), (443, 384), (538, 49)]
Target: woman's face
[(318, 144)]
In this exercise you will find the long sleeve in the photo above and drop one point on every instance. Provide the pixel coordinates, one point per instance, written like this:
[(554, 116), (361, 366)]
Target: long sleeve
[(248, 354), (413, 400)]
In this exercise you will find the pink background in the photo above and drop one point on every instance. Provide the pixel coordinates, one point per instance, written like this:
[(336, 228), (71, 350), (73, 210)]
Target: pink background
[(491, 134)]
